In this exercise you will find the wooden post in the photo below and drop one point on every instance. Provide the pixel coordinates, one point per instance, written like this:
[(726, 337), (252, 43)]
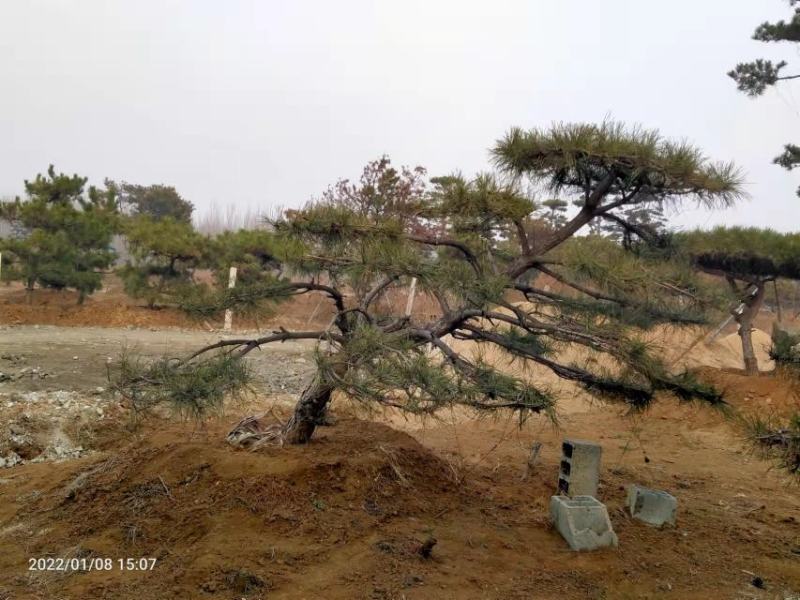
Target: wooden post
[(229, 312), (410, 302)]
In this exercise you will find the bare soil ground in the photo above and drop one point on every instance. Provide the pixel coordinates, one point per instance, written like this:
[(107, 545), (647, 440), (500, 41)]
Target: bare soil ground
[(111, 307), (77, 358), (347, 515)]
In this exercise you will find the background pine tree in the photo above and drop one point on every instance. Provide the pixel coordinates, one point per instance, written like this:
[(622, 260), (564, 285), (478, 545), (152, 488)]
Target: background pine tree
[(747, 258), (164, 254), (154, 201), (754, 78), (64, 239)]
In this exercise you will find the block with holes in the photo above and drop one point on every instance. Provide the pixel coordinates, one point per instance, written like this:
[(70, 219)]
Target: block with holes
[(580, 468), (583, 522)]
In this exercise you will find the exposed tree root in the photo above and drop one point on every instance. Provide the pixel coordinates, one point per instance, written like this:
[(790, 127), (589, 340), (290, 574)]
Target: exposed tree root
[(253, 433)]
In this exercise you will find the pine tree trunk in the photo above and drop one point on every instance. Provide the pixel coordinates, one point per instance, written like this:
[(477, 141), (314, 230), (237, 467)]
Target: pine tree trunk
[(750, 361), (309, 411), (752, 304)]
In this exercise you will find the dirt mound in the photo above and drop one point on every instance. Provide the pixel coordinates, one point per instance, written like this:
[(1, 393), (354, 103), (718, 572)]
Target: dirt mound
[(222, 522), (765, 394), (349, 515), (725, 352)]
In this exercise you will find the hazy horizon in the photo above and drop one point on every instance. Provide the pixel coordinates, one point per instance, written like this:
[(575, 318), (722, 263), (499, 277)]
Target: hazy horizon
[(265, 104)]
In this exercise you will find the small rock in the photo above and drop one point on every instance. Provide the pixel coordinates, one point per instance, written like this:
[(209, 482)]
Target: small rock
[(10, 460)]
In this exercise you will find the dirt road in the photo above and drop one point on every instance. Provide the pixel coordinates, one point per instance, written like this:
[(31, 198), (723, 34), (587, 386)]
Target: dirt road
[(77, 359)]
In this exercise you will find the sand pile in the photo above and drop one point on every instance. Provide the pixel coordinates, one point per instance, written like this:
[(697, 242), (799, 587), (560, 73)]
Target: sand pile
[(682, 349)]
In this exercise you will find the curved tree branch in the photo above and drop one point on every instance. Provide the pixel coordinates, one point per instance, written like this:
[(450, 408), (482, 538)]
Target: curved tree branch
[(277, 336)]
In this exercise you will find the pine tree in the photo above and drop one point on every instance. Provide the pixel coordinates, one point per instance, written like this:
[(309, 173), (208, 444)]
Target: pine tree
[(778, 436), (747, 258), (754, 78), (554, 212), (65, 234), (251, 251), (154, 201), (474, 255), (644, 223), (164, 254)]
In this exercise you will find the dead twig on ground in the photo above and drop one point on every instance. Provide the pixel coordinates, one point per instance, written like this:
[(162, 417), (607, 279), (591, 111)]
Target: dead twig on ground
[(166, 488)]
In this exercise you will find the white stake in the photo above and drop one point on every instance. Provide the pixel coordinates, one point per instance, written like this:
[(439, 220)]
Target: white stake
[(411, 291), (229, 312)]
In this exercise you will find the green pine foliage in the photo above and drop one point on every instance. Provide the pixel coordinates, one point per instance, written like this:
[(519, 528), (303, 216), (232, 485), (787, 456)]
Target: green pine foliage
[(777, 439), (744, 251), (164, 254), (154, 201), (566, 157), (469, 244), (785, 351), (756, 77), (65, 233), (640, 286), (192, 391), (252, 251)]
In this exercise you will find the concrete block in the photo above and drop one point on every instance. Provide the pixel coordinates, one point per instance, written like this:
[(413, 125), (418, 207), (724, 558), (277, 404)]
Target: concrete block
[(652, 506), (580, 468), (583, 522)]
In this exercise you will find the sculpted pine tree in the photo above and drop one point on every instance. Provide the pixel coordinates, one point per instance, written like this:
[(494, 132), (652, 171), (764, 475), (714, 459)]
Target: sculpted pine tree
[(748, 259), (466, 243), (554, 212), (754, 78)]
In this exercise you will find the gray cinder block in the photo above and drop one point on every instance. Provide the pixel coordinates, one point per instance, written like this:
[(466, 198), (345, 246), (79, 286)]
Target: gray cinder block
[(583, 522), (652, 506), (580, 468)]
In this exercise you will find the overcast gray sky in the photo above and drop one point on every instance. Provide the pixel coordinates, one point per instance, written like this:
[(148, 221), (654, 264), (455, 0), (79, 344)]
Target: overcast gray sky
[(264, 103)]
